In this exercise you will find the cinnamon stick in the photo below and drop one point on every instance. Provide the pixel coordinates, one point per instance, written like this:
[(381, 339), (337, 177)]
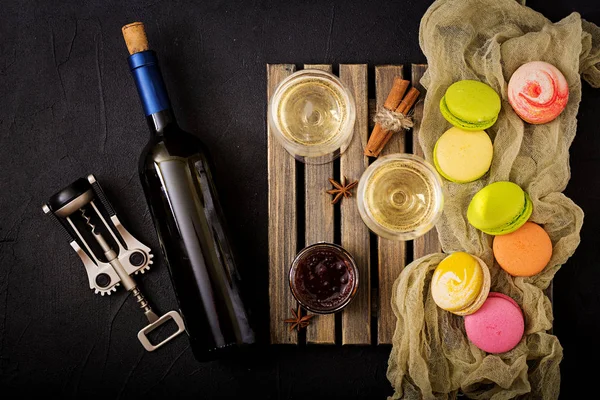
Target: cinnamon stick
[(408, 101), (396, 93), (393, 100), (380, 137)]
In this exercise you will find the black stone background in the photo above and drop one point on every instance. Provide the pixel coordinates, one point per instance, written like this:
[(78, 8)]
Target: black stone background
[(68, 107)]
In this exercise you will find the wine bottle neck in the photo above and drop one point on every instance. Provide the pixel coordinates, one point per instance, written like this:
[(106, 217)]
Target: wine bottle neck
[(152, 91), (161, 122)]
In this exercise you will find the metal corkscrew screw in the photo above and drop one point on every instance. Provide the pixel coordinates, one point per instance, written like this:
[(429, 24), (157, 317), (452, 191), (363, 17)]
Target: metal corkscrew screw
[(110, 254)]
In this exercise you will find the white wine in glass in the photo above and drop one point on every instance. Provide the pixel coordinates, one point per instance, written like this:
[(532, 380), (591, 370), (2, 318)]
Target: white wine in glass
[(400, 197), (312, 115)]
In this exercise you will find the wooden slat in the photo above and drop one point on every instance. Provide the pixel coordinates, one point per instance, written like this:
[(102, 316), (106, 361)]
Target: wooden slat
[(429, 242), (356, 318), (392, 254), (319, 227), (372, 112), (282, 221)]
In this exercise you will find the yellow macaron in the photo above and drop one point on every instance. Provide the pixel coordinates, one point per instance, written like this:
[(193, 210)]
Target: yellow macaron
[(460, 283), (463, 156)]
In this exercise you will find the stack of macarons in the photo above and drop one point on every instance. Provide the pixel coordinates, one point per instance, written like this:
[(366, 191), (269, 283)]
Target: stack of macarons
[(494, 322), (464, 152), (538, 92), (461, 285), (502, 209)]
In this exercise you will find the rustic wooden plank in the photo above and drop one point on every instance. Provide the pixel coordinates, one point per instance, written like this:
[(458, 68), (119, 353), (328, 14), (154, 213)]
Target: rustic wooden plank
[(429, 242), (372, 112), (282, 221), (356, 318), (392, 254), (319, 228)]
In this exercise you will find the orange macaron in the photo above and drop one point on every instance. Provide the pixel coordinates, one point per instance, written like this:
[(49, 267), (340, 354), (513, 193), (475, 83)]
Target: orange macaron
[(524, 252)]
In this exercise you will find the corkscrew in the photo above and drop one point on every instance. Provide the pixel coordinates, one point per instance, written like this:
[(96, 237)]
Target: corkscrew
[(85, 224)]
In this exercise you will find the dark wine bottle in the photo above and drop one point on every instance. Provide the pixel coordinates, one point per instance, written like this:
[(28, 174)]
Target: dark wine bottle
[(176, 176)]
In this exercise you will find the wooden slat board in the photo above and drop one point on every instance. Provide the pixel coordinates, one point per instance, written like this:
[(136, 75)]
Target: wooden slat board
[(429, 242), (392, 254), (371, 309), (356, 318), (282, 221), (319, 228)]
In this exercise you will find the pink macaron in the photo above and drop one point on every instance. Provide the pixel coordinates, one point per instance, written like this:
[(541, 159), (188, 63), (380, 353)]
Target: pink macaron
[(538, 92), (497, 326)]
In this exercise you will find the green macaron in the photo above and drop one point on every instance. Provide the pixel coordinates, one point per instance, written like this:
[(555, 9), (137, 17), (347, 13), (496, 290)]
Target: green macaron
[(499, 208), (470, 105)]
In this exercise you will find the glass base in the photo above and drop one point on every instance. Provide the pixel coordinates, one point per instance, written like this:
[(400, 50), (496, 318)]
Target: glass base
[(319, 160)]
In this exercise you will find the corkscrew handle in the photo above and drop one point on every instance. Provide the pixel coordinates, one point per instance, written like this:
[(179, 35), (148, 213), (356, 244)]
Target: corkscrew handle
[(64, 232), (100, 194), (171, 315)]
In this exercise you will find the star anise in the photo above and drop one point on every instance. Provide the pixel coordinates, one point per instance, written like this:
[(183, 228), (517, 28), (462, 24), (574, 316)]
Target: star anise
[(298, 321), (342, 189)]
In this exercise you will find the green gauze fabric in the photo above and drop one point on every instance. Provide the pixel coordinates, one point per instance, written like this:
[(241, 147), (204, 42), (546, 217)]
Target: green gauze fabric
[(488, 40)]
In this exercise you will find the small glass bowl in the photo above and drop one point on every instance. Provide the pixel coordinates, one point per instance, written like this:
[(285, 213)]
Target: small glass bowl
[(323, 278), (400, 196), (312, 115)]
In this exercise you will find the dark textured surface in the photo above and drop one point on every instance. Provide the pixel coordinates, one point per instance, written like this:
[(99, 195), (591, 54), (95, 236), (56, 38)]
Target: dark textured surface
[(69, 108)]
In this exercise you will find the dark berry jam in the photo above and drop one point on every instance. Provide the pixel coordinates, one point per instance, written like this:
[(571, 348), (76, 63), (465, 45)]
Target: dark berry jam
[(323, 278)]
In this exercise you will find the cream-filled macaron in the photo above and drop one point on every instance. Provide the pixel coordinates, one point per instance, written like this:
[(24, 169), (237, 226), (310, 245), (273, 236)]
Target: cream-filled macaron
[(460, 283), (463, 156)]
